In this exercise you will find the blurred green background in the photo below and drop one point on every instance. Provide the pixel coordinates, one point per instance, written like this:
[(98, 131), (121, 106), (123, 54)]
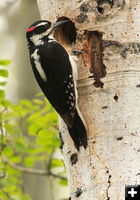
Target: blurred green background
[(31, 163)]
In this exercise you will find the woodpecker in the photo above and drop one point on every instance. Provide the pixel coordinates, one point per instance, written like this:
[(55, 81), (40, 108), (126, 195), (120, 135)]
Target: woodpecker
[(56, 73)]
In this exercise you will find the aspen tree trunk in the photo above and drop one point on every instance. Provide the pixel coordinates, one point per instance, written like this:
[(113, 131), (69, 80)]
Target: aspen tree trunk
[(108, 33)]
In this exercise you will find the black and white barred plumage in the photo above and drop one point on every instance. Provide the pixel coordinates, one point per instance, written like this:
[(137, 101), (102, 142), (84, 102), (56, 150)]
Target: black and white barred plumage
[(56, 73)]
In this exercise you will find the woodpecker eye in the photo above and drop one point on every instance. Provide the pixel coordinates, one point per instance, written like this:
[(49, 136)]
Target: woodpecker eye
[(48, 25)]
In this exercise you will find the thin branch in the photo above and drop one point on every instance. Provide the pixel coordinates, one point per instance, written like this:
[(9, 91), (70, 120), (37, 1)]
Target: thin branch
[(57, 176), (32, 170), (24, 169)]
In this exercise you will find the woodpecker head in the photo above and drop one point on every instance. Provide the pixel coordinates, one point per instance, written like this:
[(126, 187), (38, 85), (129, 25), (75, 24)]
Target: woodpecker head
[(40, 29)]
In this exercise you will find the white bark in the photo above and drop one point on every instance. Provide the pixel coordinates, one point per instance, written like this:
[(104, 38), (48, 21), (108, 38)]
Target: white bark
[(112, 113)]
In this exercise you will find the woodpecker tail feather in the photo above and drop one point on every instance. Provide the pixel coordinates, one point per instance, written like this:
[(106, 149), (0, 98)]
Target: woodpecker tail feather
[(78, 132)]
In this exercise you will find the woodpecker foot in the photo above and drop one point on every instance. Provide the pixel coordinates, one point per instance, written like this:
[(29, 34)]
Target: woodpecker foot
[(77, 52)]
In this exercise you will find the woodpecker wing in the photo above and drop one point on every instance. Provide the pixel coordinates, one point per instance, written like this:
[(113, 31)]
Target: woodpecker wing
[(55, 78)]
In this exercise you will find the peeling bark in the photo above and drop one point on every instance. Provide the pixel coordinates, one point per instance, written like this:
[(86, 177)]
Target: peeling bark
[(96, 57), (111, 106)]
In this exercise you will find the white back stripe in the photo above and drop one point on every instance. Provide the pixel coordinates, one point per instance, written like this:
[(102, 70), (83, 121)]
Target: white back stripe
[(35, 56)]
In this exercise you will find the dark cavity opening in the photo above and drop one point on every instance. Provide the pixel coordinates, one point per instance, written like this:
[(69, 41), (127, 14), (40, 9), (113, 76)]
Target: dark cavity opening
[(116, 97), (66, 33), (78, 192), (100, 9), (74, 158), (119, 138)]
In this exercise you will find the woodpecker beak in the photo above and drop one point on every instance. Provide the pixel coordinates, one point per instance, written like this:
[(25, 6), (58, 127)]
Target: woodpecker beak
[(57, 24)]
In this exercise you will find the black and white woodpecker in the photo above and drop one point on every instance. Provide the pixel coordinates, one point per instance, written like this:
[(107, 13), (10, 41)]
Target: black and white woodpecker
[(56, 73)]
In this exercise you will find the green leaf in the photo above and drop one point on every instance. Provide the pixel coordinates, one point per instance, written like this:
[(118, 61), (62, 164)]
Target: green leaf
[(8, 151), (3, 83), (34, 116), (41, 121), (52, 131), (63, 182), (46, 137), (56, 142), (5, 103), (20, 146), (29, 161), (52, 117), (33, 129), (38, 117), (3, 73), (4, 62), (19, 111), (43, 134), (2, 94), (15, 159), (3, 196), (38, 101), (42, 142), (56, 163), (10, 128), (26, 103), (10, 188), (40, 94)]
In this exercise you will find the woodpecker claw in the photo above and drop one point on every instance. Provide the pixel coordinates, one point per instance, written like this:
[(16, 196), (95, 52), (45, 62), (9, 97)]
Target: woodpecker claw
[(77, 52)]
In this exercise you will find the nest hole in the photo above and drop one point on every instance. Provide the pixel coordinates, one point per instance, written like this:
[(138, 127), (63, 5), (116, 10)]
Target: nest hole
[(66, 33)]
